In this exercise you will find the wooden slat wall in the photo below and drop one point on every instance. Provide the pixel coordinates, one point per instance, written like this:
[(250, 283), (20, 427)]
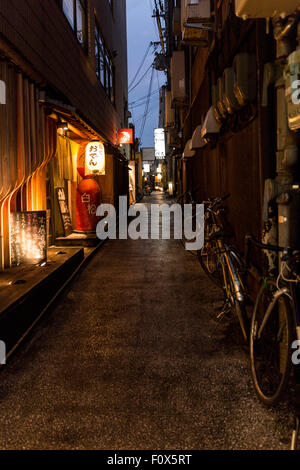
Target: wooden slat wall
[(28, 142)]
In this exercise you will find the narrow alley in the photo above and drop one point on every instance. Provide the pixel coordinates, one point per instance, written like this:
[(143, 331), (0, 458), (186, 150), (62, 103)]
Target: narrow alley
[(132, 357)]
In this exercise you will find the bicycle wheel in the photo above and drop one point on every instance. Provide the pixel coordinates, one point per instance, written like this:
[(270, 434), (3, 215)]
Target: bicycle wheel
[(270, 345), (209, 258)]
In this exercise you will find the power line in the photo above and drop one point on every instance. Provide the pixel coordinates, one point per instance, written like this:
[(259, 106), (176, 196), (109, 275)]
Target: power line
[(152, 97), (143, 103), (143, 97), (140, 80), (147, 105), (141, 116), (142, 63)]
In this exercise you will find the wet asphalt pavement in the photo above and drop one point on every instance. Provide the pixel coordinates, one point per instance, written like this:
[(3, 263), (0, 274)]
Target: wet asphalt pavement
[(132, 357)]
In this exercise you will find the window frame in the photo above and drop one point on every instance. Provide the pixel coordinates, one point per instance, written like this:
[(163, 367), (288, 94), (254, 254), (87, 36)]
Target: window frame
[(106, 76), (84, 7)]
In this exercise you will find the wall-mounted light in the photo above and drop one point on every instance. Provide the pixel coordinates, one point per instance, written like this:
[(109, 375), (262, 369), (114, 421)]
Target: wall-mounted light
[(62, 125)]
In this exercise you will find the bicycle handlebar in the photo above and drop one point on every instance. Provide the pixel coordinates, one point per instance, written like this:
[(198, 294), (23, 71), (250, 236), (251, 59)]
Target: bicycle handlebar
[(212, 203), (225, 197), (249, 238), (190, 193)]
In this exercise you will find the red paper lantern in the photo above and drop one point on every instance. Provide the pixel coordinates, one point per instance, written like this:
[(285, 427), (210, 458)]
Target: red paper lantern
[(88, 199)]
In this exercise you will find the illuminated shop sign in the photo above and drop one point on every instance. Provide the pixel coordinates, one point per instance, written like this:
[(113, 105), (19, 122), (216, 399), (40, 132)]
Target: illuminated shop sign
[(28, 240), (95, 159), (125, 136), (160, 143)]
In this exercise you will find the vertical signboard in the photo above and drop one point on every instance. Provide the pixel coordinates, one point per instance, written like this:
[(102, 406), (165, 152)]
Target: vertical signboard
[(64, 211), (160, 143)]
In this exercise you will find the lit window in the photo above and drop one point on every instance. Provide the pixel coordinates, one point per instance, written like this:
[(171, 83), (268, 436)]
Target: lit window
[(68, 9), (81, 21), (76, 14)]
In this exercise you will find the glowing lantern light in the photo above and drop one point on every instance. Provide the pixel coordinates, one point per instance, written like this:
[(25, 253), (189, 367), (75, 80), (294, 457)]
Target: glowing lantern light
[(95, 158)]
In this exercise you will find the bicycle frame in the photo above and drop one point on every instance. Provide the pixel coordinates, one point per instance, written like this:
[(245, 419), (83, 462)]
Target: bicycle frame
[(276, 296), (296, 309), (226, 252), (237, 282)]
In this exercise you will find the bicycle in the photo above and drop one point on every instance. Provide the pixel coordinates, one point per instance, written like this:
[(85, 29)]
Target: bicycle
[(223, 264), (275, 325), (209, 255), (139, 194), (187, 198)]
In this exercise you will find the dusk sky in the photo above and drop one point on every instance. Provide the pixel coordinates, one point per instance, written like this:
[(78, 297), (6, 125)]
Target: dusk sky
[(141, 30)]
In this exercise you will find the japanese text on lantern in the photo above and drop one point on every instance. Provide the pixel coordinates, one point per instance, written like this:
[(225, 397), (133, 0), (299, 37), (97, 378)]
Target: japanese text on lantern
[(95, 159)]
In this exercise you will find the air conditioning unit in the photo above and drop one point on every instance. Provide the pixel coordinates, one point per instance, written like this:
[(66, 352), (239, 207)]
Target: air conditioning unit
[(194, 12), (169, 111), (197, 141), (188, 150), (178, 79), (230, 101), (173, 138), (264, 8), (220, 97), (245, 82), (214, 93), (211, 127)]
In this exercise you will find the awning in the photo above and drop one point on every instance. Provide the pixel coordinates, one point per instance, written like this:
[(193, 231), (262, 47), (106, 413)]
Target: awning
[(188, 151), (210, 125), (67, 112), (79, 130), (197, 141)]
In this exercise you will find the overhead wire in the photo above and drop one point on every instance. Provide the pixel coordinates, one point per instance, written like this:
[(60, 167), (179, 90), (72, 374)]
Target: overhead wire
[(141, 65), (150, 111), (132, 103), (152, 97), (147, 105), (140, 80)]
